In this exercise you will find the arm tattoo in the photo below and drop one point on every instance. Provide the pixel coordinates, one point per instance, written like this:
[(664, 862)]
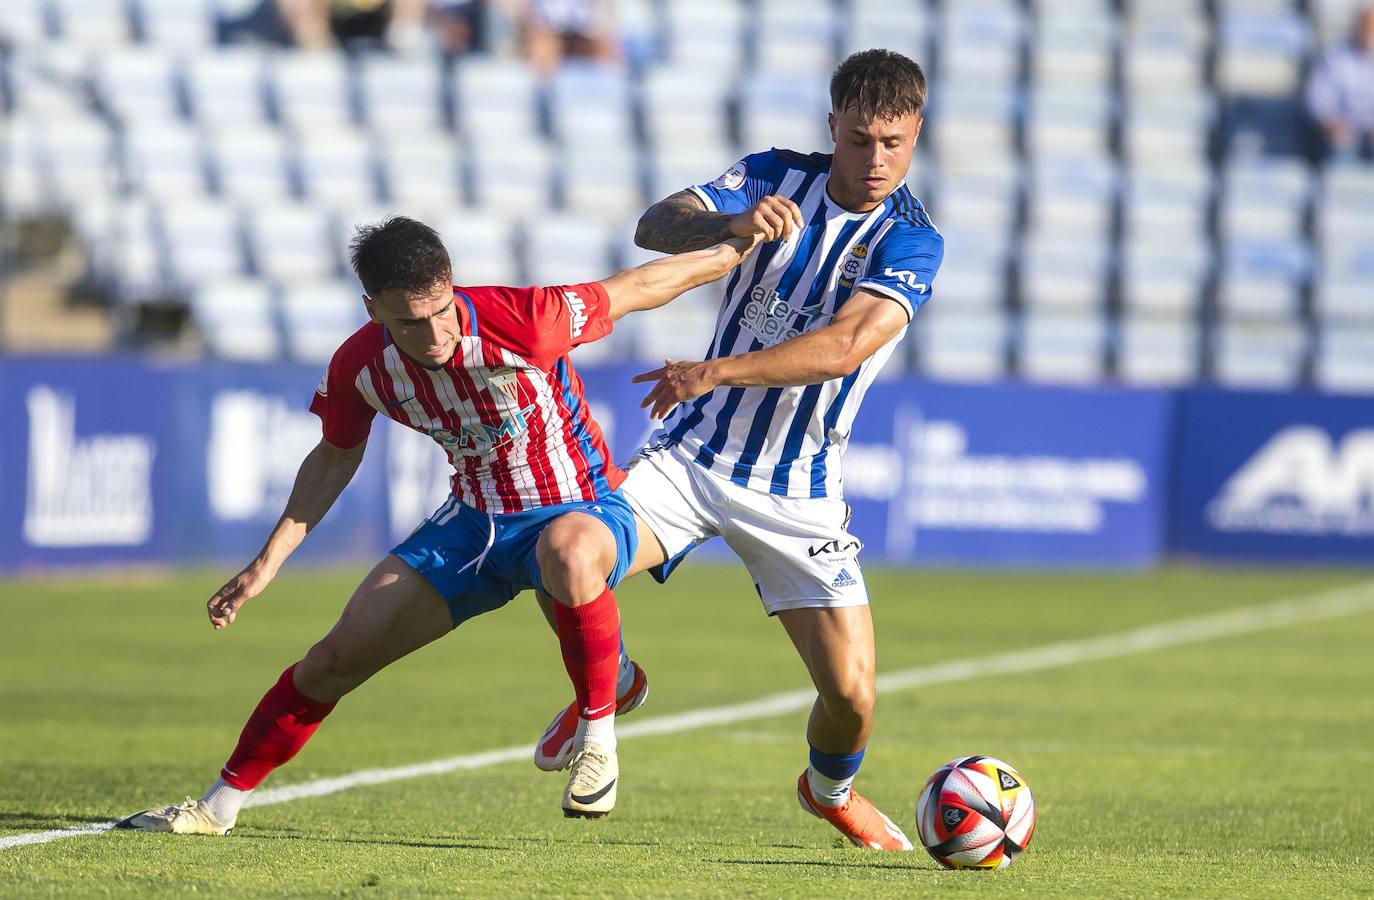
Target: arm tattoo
[(680, 223)]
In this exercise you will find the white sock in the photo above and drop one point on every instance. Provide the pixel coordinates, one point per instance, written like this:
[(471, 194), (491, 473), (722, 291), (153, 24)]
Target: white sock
[(224, 800), (625, 677), (828, 791), (596, 731)]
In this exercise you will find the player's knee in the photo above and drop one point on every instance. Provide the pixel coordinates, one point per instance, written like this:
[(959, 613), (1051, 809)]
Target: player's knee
[(329, 671), (570, 560)]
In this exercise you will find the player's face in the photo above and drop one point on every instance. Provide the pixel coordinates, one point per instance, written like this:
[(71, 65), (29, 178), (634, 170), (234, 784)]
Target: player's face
[(871, 157), (424, 326)]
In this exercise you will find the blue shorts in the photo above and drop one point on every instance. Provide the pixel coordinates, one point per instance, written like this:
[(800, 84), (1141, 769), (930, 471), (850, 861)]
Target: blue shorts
[(446, 548)]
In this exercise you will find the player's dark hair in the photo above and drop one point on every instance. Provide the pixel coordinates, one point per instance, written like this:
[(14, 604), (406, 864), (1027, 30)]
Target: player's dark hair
[(878, 84), (399, 253)]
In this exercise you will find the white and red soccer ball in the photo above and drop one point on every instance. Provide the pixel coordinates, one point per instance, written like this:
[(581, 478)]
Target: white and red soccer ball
[(975, 812)]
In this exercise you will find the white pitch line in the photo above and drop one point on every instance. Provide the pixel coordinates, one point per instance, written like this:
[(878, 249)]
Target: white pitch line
[(1227, 623)]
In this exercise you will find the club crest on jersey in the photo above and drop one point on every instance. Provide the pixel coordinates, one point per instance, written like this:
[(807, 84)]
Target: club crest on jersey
[(853, 265), (732, 178), (507, 381)]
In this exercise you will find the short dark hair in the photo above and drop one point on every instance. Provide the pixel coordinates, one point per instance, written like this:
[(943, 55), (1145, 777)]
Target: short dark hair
[(879, 84), (399, 253)]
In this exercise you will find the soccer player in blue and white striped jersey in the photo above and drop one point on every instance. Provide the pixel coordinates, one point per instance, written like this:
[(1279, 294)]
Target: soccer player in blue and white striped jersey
[(751, 447)]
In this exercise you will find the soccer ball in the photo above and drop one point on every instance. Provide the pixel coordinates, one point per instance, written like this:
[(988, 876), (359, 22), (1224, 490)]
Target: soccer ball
[(975, 812)]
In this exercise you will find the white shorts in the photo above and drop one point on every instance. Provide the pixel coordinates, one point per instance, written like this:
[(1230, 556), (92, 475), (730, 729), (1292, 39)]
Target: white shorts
[(798, 549)]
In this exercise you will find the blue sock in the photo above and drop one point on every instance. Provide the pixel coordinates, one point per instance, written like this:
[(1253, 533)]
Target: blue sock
[(831, 774)]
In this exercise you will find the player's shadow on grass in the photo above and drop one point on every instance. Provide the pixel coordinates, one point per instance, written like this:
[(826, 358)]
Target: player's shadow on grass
[(47, 821), (295, 834), (825, 864)]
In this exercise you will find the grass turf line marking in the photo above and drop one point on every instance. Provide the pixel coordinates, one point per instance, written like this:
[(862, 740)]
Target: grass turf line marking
[(1213, 626)]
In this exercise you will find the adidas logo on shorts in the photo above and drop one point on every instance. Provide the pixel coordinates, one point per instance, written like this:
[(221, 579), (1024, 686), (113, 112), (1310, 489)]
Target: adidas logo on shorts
[(844, 579)]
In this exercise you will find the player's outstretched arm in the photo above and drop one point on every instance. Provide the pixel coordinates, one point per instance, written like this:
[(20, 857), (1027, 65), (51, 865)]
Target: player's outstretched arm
[(661, 280), (681, 223), (865, 323), (323, 475)]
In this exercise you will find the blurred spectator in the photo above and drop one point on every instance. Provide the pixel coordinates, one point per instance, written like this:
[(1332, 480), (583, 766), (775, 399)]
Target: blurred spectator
[(1340, 93), (459, 25), (316, 24), (555, 30)]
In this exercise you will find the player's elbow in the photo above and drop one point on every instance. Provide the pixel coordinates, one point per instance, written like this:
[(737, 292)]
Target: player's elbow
[(846, 355), (643, 230)]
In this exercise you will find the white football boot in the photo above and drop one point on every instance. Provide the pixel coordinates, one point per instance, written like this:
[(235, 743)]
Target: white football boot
[(191, 817), (591, 783), (554, 749)]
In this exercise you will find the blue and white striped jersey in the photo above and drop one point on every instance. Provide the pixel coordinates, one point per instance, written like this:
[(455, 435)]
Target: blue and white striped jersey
[(789, 441)]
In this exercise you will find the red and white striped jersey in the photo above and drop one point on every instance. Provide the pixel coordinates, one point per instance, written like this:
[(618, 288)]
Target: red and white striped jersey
[(508, 409)]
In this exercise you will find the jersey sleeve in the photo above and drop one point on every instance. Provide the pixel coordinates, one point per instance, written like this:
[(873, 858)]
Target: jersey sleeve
[(542, 323), (345, 416), (742, 185), (903, 267)]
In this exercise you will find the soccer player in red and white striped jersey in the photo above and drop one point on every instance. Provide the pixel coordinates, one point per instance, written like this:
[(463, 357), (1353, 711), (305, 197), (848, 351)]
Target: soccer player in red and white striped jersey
[(484, 372)]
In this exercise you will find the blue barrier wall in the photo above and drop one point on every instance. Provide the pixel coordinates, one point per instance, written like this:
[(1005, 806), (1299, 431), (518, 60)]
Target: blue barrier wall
[(1283, 477), (127, 460)]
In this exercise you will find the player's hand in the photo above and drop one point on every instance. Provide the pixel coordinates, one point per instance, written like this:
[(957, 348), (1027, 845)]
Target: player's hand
[(223, 607), (772, 218), (677, 382)]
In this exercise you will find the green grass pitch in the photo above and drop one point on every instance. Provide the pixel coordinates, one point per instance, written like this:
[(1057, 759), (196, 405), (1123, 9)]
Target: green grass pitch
[(1230, 768)]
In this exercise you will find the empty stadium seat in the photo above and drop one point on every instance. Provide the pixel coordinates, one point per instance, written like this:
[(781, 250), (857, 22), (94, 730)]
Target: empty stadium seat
[(318, 316), (203, 240), (336, 168), (481, 247), (250, 163), (425, 169), (706, 33), (1069, 198), (78, 155), (1345, 358), (1164, 278), (973, 123), (683, 105), (226, 86), (1248, 354), (1069, 122), (1065, 273), (590, 106), (567, 249), (900, 25), (495, 96), (176, 24), (137, 85), (236, 319), (514, 179), (401, 96), (23, 22), (784, 111), (166, 162), (960, 345), (1265, 199), (292, 242), (1157, 351), (1168, 130), (796, 36), (980, 43), (93, 23), (1261, 279), (604, 182), (1062, 348), (311, 90), (681, 330)]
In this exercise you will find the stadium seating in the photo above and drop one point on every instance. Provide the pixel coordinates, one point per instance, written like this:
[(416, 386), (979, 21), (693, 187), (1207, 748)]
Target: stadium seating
[(1105, 172)]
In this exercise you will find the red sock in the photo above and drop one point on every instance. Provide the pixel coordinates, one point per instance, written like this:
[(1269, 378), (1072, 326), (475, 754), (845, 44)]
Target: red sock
[(276, 731), (590, 637)]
